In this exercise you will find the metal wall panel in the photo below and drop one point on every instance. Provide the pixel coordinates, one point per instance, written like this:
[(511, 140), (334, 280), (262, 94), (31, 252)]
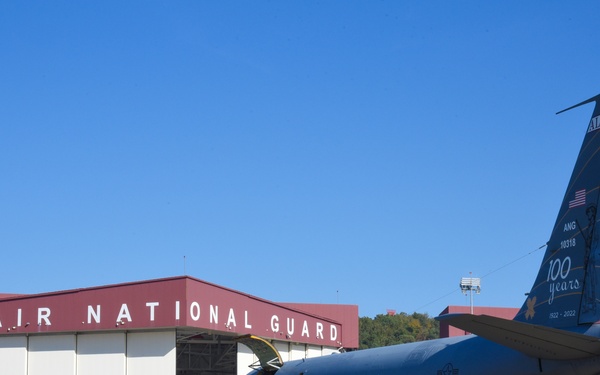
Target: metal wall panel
[(52, 355), (313, 351), (178, 302), (329, 350), (245, 357), (151, 353), (13, 355), (101, 354), (283, 348), (298, 351)]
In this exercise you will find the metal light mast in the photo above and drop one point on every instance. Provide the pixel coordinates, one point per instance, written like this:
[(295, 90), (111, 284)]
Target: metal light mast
[(470, 284)]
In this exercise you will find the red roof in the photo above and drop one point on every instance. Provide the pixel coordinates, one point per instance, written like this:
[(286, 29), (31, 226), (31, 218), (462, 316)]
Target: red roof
[(178, 302)]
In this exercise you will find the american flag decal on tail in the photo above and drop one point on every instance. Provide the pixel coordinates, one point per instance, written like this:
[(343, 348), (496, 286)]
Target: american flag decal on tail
[(579, 199)]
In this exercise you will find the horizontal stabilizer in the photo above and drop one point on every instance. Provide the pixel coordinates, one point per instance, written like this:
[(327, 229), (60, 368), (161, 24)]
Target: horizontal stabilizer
[(533, 340)]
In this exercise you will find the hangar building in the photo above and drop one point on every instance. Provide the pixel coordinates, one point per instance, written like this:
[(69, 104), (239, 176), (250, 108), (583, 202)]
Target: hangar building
[(173, 326)]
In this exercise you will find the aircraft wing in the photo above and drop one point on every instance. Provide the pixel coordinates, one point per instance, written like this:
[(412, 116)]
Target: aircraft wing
[(533, 340)]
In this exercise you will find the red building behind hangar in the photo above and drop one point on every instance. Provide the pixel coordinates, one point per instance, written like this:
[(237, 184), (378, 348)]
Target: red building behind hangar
[(499, 312), (176, 326)]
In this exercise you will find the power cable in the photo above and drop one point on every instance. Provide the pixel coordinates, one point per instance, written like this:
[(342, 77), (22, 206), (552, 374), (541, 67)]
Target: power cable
[(487, 274)]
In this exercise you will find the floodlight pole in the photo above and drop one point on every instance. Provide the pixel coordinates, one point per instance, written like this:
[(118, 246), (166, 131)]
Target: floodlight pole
[(470, 284), (471, 300)]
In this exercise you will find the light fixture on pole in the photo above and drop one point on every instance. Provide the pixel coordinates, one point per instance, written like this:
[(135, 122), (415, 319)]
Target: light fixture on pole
[(470, 284)]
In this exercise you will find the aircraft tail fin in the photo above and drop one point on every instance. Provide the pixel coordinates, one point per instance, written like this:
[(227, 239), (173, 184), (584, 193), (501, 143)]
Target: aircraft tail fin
[(566, 292), (590, 100), (533, 340)]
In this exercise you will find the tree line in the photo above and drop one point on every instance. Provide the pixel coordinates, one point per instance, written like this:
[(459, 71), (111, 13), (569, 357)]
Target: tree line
[(384, 330)]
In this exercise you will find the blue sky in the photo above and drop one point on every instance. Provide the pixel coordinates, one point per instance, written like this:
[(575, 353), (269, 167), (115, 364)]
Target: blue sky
[(368, 153)]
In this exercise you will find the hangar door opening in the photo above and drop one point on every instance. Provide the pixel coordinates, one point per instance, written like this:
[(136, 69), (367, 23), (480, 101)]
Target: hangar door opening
[(203, 353)]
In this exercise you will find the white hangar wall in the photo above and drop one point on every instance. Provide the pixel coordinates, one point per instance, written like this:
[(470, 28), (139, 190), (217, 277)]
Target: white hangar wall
[(13, 354), (137, 353), (119, 353), (287, 350)]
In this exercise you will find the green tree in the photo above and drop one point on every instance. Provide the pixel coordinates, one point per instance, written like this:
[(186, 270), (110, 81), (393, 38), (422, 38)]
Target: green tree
[(384, 330)]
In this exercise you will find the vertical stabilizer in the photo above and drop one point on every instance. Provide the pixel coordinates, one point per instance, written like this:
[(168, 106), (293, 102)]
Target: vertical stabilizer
[(566, 291)]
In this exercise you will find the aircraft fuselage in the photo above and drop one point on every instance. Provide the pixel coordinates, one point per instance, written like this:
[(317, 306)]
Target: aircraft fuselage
[(464, 355)]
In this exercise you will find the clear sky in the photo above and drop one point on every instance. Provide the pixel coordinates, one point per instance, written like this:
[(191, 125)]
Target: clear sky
[(368, 153)]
